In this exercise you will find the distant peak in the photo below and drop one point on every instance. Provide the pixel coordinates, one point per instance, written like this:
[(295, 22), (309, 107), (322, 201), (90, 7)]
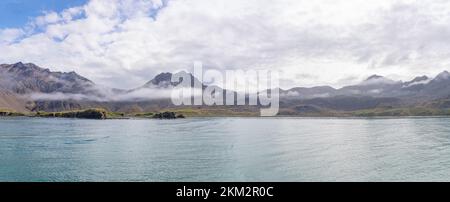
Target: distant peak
[(163, 74), (420, 78), (165, 79), (377, 79), (19, 65), (73, 74), (374, 77), (161, 79), (27, 66), (166, 76), (443, 74)]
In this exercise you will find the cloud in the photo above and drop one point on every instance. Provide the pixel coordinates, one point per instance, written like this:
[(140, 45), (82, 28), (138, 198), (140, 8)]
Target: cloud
[(124, 43), (8, 36), (60, 96), (106, 95)]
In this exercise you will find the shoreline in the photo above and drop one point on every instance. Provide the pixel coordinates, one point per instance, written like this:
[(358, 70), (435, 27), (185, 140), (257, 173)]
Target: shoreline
[(102, 114), (252, 117)]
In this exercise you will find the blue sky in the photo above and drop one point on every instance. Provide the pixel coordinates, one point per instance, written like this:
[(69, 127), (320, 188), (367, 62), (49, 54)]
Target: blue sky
[(16, 13)]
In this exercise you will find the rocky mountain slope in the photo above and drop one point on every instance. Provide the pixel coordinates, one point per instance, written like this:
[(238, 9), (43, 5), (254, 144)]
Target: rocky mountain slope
[(28, 78), (13, 102)]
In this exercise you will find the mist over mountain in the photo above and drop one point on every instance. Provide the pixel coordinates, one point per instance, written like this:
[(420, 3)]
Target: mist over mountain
[(29, 87), (379, 86)]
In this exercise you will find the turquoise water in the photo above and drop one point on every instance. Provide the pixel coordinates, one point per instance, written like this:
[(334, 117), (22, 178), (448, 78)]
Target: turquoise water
[(225, 149)]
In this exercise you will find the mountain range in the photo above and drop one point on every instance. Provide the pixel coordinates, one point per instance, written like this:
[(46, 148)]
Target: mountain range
[(27, 87)]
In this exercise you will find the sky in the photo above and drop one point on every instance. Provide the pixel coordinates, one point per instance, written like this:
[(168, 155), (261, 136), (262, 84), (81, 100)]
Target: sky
[(16, 13), (125, 43)]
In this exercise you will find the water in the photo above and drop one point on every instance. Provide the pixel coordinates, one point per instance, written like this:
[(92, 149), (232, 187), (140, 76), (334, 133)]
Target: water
[(225, 149)]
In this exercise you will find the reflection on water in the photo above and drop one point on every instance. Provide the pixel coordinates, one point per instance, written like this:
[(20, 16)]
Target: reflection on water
[(225, 149)]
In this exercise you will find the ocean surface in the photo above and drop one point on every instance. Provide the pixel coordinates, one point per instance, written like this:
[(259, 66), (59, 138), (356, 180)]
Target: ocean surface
[(225, 149)]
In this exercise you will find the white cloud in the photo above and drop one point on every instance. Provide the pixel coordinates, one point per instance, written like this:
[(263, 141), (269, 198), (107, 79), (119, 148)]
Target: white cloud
[(49, 18), (8, 36), (124, 43)]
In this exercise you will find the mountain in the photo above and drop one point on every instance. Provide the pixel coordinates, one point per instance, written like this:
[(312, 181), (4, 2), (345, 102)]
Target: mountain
[(420, 88), (372, 93), (420, 80), (415, 85), (376, 86), (27, 87), (437, 87), (164, 80), (12, 101), (36, 88), (377, 80), (28, 78)]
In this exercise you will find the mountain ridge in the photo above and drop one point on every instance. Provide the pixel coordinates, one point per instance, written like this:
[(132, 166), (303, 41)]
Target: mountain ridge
[(27, 78), (19, 79)]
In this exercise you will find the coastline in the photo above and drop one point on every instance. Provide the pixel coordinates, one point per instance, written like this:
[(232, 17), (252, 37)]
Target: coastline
[(174, 113), (33, 115)]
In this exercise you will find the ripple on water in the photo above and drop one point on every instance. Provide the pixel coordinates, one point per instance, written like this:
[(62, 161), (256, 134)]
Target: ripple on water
[(225, 149)]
